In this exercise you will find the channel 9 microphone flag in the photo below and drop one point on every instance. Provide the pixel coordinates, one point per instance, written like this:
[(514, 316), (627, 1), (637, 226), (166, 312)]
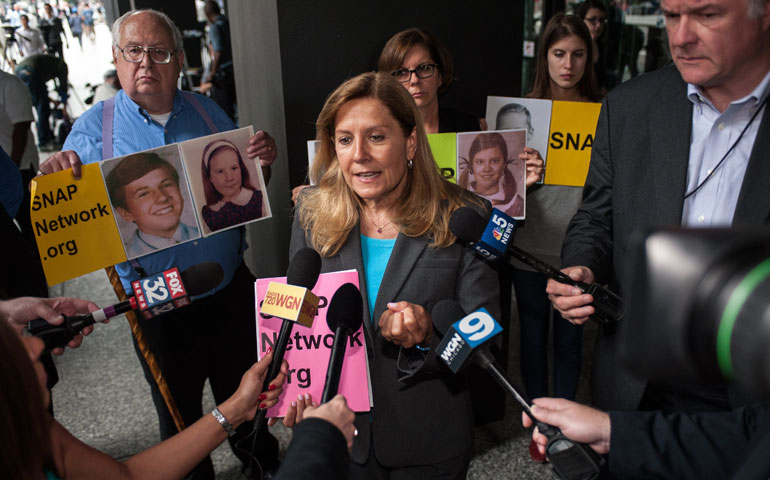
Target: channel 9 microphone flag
[(308, 349)]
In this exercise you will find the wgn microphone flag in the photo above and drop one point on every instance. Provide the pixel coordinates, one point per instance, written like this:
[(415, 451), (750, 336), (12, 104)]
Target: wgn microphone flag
[(345, 315), (302, 274)]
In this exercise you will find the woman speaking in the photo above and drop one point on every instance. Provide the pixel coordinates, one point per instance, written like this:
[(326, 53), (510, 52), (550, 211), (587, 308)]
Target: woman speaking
[(381, 206)]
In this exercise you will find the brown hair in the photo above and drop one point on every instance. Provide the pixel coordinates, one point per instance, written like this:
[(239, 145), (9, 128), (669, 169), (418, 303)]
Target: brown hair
[(558, 27), (484, 141), (329, 212), (394, 52), (132, 168), (23, 419), (212, 195)]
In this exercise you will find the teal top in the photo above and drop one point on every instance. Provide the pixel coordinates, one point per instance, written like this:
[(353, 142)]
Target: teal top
[(375, 253), (49, 475)]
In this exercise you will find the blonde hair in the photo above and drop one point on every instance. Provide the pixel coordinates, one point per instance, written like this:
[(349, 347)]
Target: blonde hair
[(329, 212)]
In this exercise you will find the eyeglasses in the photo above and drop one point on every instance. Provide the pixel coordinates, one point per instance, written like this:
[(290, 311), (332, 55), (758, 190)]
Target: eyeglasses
[(426, 70), (595, 20), (135, 54)]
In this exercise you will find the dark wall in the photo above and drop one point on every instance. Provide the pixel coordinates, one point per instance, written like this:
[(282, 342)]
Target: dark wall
[(324, 43)]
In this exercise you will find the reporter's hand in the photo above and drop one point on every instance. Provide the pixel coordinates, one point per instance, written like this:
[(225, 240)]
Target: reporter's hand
[(573, 304), (243, 404), (577, 422), (336, 412), (262, 145), (296, 411), (535, 165), (20, 311), (62, 161), (406, 324)]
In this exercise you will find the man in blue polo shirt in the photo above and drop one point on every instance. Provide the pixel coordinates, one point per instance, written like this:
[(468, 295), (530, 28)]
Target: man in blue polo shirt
[(213, 338)]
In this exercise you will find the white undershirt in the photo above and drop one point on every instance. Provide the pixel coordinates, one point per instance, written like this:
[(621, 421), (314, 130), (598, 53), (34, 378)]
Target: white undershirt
[(161, 118)]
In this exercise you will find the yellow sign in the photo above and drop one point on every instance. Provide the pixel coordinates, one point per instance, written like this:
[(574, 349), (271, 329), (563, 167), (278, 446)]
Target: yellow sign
[(573, 125), (291, 303), (444, 148), (65, 214)]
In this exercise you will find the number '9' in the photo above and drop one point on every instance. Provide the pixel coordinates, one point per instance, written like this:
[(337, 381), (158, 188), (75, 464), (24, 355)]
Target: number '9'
[(477, 326)]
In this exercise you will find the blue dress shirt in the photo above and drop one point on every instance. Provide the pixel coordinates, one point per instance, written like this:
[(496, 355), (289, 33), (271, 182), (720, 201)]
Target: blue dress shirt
[(133, 131), (713, 133)]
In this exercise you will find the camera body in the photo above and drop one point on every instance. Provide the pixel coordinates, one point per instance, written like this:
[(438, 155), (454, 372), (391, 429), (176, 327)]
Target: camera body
[(699, 310)]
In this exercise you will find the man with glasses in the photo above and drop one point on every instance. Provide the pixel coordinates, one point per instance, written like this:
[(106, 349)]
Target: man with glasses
[(214, 337)]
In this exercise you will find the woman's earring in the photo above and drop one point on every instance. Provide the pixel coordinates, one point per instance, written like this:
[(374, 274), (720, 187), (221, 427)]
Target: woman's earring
[(409, 163)]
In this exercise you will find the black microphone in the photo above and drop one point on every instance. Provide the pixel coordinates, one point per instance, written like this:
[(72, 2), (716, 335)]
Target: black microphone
[(471, 229), (303, 271), (344, 316), (464, 337), (169, 290)]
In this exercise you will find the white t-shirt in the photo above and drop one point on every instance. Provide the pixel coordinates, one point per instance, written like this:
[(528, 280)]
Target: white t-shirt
[(30, 41), (16, 108)]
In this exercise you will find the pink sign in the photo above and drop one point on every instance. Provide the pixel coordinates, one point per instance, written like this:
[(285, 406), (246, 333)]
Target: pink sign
[(309, 349)]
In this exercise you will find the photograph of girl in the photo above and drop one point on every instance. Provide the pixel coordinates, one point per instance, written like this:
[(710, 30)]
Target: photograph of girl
[(230, 191), (487, 169)]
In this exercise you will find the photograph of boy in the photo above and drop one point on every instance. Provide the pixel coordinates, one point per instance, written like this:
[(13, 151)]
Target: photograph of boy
[(229, 190), (146, 191), (489, 166), (531, 114)]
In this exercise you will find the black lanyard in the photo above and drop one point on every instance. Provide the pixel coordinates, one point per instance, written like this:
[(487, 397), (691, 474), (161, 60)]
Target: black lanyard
[(729, 150)]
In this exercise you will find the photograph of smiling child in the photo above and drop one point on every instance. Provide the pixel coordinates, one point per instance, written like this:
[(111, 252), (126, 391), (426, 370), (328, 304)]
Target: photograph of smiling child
[(149, 192), (227, 187), (489, 166)]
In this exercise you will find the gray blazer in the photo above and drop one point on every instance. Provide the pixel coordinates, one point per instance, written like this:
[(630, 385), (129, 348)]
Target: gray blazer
[(636, 182), (422, 412)]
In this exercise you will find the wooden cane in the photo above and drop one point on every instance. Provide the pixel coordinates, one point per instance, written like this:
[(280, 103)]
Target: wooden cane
[(157, 374)]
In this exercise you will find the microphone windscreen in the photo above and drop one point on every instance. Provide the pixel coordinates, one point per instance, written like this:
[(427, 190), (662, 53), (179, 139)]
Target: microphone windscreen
[(202, 277), (467, 225), (304, 268), (445, 313), (346, 308)]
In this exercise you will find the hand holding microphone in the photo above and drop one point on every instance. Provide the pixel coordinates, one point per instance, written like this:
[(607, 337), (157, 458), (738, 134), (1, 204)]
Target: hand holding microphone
[(297, 301), (53, 311), (493, 240), (155, 294), (465, 337), (572, 302)]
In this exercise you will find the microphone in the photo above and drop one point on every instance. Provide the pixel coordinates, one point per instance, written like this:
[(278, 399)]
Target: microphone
[(289, 302), (494, 239), (154, 295), (344, 316), (465, 336)]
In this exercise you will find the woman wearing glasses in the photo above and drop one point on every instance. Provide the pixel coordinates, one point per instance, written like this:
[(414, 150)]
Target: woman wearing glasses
[(423, 65), (593, 13)]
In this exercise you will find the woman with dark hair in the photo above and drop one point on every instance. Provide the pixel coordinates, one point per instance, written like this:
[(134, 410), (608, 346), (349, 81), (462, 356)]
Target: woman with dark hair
[(594, 14), (561, 74), (488, 164), (381, 206), (422, 64), (40, 448), (231, 199)]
